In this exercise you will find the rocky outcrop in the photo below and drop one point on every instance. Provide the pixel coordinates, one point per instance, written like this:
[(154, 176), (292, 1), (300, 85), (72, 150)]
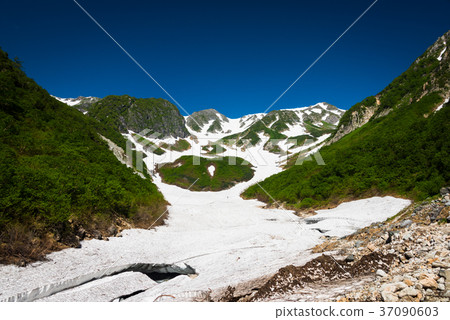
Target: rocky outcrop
[(358, 118), (127, 113), (209, 117)]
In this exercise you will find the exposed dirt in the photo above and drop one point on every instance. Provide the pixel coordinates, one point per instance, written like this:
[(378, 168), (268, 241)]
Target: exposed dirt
[(321, 270)]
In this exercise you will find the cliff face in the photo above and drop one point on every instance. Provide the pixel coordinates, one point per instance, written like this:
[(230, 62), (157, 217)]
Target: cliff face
[(127, 113), (429, 73)]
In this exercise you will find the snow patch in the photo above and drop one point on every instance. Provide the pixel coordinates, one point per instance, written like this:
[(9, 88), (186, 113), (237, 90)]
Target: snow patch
[(440, 107), (211, 170), (442, 52)]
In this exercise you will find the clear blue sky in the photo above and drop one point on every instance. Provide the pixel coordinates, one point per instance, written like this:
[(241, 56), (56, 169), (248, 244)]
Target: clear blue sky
[(234, 56)]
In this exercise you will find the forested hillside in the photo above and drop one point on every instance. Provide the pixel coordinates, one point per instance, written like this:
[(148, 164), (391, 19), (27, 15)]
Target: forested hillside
[(57, 175)]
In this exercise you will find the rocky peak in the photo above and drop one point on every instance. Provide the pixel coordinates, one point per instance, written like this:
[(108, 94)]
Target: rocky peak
[(209, 117)]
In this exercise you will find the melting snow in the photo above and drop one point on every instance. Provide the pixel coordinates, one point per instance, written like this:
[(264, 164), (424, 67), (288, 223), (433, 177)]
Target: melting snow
[(211, 170), (442, 52), (440, 107)]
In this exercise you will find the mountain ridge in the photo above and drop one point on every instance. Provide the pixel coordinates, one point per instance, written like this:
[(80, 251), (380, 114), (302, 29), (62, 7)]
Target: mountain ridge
[(377, 106)]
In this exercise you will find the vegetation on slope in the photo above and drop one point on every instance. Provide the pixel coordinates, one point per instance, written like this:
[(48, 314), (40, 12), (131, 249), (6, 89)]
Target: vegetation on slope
[(148, 145), (403, 149), (185, 171), (180, 145), (406, 153), (127, 113), (57, 172)]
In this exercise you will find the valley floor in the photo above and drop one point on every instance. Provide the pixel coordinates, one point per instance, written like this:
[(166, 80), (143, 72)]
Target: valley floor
[(226, 239)]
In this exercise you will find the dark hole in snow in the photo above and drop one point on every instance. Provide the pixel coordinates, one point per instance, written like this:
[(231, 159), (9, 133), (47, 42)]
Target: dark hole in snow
[(126, 296), (321, 230), (161, 277)]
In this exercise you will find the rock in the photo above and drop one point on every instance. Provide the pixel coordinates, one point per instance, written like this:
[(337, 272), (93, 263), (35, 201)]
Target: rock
[(405, 223), (97, 235), (389, 297), (435, 213), (445, 273), (380, 273), (409, 255), (429, 283), (371, 247), (112, 230), (408, 282), (441, 287), (393, 287), (407, 236), (408, 292), (350, 258), (447, 294), (440, 264), (389, 238), (81, 233), (358, 243), (444, 191), (119, 235)]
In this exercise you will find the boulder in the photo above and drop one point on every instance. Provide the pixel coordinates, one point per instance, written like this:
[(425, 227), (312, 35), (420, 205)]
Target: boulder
[(409, 255), (380, 273), (405, 223), (408, 292), (429, 283), (389, 297), (112, 230), (444, 191), (440, 264), (350, 258)]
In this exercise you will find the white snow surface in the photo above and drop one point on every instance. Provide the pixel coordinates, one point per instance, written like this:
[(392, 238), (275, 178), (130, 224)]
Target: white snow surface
[(440, 107), (442, 52), (72, 101), (211, 170), (233, 126), (226, 239)]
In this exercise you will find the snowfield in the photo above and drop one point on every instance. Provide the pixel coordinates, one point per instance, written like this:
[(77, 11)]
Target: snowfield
[(225, 239)]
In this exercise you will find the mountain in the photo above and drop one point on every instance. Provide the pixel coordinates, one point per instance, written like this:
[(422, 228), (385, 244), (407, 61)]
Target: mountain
[(127, 113), (81, 103), (428, 74), (59, 181), (393, 143), (312, 123), (210, 120)]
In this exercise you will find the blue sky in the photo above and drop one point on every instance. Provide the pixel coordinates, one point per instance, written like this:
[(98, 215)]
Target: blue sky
[(234, 56)]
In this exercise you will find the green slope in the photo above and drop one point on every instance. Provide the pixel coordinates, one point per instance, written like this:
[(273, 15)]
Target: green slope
[(228, 171), (55, 167)]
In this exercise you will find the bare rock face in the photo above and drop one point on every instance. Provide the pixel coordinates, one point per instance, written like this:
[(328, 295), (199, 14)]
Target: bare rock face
[(358, 119), (128, 113)]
